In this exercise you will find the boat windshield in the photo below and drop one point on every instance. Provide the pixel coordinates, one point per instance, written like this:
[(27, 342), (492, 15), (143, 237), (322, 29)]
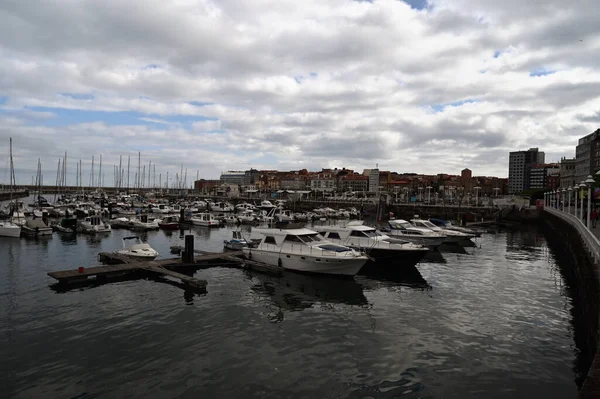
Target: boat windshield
[(308, 238), (428, 224), (371, 233), (400, 225)]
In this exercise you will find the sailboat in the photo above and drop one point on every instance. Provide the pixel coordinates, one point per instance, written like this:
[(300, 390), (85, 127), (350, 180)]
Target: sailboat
[(8, 228)]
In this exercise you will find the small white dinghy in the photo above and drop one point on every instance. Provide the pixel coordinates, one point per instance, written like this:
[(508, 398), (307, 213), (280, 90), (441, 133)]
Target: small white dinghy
[(138, 251), (237, 242)]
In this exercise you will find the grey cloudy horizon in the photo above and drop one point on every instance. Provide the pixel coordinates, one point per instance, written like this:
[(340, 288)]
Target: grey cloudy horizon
[(426, 87)]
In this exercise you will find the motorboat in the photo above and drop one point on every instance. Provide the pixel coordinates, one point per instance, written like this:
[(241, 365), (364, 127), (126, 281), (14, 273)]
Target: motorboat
[(66, 225), (305, 250), (144, 223), (284, 215), (9, 229), (176, 208), (237, 242), (247, 217), (402, 230), (138, 251), (169, 223), (121, 223), (452, 236), (204, 219), (221, 207), (449, 226), (376, 245), (36, 227), (244, 206), (94, 224), (161, 208), (267, 205)]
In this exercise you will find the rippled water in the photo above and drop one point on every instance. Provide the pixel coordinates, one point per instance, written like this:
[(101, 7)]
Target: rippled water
[(489, 321)]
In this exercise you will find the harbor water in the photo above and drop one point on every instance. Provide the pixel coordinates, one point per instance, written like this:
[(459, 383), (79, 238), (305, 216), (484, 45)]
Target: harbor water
[(493, 320)]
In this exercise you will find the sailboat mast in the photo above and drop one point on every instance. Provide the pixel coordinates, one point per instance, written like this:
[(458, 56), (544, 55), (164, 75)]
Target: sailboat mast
[(12, 171), (120, 171), (139, 176), (128, 162), (100, 173)]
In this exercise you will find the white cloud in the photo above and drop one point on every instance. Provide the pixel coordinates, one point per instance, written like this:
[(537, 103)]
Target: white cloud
[(312, 83)]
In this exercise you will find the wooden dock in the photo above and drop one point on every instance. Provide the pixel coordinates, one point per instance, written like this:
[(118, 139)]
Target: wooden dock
[(121, 267)]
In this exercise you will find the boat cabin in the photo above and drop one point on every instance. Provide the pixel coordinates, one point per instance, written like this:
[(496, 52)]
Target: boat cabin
[(95, 220)]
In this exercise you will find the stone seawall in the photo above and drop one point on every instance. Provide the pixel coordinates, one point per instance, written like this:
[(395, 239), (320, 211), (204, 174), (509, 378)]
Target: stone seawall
[(584, 287)]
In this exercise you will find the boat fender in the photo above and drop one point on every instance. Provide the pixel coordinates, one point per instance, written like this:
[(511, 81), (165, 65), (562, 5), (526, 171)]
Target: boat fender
[(279, 262), (250, 255)]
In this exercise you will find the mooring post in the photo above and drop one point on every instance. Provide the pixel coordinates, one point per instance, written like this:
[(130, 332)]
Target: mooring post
[(181, 215), (187, 255)]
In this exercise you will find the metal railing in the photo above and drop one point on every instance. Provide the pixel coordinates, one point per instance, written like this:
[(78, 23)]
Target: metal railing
[(590, 241)]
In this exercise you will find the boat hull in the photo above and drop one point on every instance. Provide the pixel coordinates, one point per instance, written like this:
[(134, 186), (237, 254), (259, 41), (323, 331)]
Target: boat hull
[(10, 231), (169, 226), (32, 232), (395, 258), (308, 264), (429, 242), (204, 223), (137, 257)]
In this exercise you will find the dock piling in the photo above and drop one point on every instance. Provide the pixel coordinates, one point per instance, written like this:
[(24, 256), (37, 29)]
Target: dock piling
[(188, 253)]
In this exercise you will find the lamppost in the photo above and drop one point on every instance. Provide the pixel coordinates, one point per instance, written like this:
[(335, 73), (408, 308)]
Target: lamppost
[(420, 194), (576, 189), (429, 194), (582, 187), (562, 197), (476, 188), (590, 180), (569, 190)]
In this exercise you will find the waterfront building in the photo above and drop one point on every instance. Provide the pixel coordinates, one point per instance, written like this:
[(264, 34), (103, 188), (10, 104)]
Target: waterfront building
[(373, 175), (206, 186), (539, 175), (567, 172), (587, 156), (519, 168), (233, 177), (355, 182)]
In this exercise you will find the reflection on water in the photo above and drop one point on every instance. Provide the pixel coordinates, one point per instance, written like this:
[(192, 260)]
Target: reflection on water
[(294, 291), (492, 321)]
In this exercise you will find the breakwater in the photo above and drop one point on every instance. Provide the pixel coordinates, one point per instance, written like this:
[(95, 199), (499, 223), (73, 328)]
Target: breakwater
[(7, 195)]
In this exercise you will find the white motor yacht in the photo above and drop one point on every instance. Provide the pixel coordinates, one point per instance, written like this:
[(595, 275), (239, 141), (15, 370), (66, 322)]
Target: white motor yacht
[(138, 251), (94, 224), (161, 208), (267, 205), (305, 250), (449, 226), (221, 207), (247, 217), (144, 223), (404, 231), (375, 244), (9, 229), (452, 236), (204, 219)]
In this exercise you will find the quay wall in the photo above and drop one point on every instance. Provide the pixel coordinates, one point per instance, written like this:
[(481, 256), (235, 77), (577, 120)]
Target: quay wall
[(576, 246), (6, 195)]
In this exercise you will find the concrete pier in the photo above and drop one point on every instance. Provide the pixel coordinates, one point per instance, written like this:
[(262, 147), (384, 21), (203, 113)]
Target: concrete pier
[(582, 245)]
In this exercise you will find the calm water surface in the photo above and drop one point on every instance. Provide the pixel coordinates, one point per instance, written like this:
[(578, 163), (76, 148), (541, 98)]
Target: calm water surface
[(489, 321)]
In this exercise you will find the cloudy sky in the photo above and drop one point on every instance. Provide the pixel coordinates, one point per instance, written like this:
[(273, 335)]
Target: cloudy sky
[(416, 86)]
